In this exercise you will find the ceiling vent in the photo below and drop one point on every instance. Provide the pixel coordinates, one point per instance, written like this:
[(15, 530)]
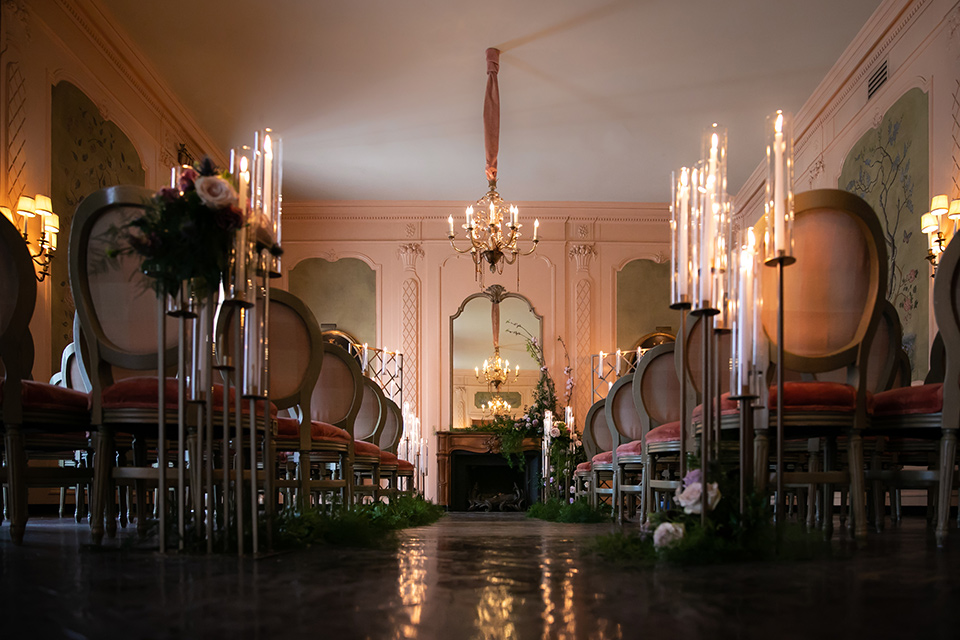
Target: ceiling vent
[(877, 78)]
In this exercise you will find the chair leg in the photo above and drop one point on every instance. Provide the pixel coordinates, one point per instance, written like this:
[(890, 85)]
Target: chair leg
[(102, 483), (814, 467), (645, 492), (948, 456), (857, 493), (17, 482), (122, 491), (761, 460), (140, 486), (826, 489)]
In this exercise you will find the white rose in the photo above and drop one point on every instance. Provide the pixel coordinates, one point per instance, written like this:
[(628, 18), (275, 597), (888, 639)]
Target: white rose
[(667, 534), (554, 432), (215, 192), (690, 498)]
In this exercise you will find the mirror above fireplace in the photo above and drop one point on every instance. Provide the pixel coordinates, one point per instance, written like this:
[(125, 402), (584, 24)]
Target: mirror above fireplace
[(472, 342)]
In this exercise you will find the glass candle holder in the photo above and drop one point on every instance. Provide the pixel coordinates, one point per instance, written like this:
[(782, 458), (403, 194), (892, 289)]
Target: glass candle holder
[(712, 187), (778, 205), (681, 225)]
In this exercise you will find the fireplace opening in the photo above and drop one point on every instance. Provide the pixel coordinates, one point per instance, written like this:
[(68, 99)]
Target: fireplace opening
[(485, 482)]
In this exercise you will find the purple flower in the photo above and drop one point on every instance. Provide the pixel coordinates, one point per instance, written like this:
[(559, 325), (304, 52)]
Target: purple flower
[(692, 476), (168, 194), (187, 178), (228, 218), (571, 500)]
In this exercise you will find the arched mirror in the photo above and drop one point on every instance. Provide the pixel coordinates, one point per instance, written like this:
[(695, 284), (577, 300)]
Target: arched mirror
[(485, 321)]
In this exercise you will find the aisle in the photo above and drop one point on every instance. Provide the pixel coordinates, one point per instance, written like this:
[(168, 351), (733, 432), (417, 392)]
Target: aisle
[(470, 576)]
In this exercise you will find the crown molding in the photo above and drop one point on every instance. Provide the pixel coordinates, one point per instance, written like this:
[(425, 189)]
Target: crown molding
[(94, 22)]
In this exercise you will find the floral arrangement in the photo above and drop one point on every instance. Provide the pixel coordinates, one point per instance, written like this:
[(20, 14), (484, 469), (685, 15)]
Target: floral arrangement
[(186, 232), (689, 496)]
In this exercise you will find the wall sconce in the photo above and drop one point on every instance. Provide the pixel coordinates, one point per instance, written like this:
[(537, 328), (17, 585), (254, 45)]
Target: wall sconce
[(27, 208), (932, 223)]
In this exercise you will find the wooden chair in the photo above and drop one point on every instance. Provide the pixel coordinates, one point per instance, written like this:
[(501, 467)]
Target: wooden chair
[(601, 464), (37, 418), (832, 298), (402, 482), (656, 395), (584, 471), (620, 412), (932, 411), (296, 356), (119, 315), (367, 428)]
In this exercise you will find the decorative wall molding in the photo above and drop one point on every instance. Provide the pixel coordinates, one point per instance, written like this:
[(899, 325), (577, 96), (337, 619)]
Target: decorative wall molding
[(816, 170), (410, 340), (16, 18), (408, 254), (581, 254), (15, 134), (583, 336), (127, 61)]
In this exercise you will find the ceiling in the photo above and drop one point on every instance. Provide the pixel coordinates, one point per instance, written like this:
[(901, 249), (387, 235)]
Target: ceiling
[(382, 99)]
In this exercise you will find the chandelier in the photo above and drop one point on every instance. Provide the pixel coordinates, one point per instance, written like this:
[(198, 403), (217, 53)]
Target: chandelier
[(497, 406), (496, 371), (492, 227)]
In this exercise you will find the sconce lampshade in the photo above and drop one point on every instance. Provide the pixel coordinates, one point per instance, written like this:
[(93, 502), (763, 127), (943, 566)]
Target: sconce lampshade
[(954, 212), (42, 205), (939, 205), (26, 207), (51, 223), (929, 223)]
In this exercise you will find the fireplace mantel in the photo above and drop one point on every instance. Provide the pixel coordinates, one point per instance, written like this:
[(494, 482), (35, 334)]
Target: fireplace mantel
[(472, 441)]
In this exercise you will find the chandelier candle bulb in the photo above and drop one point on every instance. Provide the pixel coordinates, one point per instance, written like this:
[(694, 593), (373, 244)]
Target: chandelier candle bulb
[(450, 222), (173, 177), (600, 366), (536, 228), (364, 359), (618, 363)]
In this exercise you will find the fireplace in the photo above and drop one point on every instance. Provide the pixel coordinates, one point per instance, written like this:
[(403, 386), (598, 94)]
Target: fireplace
[(485, 482), (474, 476)]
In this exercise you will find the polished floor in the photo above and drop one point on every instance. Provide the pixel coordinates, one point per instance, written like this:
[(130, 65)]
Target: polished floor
[(471, 576)]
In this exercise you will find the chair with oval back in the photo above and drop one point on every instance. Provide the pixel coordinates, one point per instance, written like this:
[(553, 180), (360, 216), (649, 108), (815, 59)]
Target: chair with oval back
[(932, 411), (296, 354), (656, 395), (622, 419), (389, 443), (601, 464), (119, 316), (367, 429), (36, 418), (335, 402), (832, 296), (584, 471)]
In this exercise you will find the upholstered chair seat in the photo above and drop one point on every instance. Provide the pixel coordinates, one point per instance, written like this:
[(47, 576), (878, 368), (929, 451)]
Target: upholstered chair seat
[(926, 398), (585, 467), (141, 393), (630, 449), (40, 396), (289, 429), (602, 459), (669, 432), (817, 396)]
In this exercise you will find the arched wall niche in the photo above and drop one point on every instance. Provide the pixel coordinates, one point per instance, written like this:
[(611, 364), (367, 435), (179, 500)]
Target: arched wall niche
[(341, 292), (643, 302)]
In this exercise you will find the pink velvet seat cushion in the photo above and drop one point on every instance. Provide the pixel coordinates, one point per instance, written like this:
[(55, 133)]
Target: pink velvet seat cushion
[(141, 393), (816, 396), (405, 467), (603, 458), (630, 448), (389, 459), (585, 466), (41, 396), (368, 449), (728, 407), (926, 398), (288, 428), (668, 432)]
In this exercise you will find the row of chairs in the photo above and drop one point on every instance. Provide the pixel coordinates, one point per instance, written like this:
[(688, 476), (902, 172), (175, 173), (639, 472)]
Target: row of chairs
[(849, 420), (328, 434)]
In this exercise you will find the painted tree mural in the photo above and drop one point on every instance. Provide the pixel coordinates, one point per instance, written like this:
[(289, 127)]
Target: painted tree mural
[(888, 168)]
